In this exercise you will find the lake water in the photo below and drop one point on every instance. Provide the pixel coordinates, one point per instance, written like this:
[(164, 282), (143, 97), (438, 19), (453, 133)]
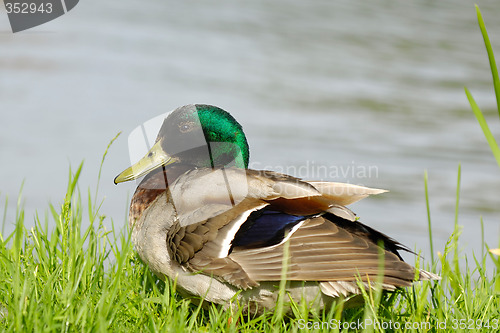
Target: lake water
[(365, 92)]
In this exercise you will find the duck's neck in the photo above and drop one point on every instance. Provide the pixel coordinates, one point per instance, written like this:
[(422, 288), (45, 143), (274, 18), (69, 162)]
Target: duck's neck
[(153, 185)]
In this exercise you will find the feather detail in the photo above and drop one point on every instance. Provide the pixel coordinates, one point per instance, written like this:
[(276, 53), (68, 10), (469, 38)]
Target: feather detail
[(342, 212), (246, 236), (223, 269), (322, 250), (266, 228), (236, 233), (229, 233), (342, 193)]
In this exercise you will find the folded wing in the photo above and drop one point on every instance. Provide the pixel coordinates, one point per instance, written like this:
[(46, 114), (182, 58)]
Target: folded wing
[(242, 241)]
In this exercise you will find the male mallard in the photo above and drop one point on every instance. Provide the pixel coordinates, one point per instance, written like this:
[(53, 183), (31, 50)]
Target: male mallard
[(221, 230)]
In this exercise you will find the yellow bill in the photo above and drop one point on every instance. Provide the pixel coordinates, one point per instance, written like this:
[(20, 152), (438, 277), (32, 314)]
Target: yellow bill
[(155, 158)]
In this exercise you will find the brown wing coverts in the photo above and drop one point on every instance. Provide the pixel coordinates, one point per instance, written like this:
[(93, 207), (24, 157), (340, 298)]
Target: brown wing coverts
[(323, 248)]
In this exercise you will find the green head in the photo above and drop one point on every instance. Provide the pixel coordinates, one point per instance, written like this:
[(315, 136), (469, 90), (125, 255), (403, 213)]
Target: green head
[(202, 136)]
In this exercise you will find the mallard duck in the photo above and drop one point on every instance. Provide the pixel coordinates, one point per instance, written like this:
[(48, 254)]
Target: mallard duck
[(228, 234)]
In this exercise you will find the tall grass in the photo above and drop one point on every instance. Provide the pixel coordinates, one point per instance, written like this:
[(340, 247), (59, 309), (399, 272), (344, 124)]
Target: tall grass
[(89, 279), (495, 149), (496, 85), (73, 279)]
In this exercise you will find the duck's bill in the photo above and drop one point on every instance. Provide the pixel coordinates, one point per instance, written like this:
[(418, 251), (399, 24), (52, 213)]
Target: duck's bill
[(155, 158)]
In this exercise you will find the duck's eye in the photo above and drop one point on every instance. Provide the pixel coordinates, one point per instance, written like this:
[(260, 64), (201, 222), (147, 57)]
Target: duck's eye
[(185, 127)]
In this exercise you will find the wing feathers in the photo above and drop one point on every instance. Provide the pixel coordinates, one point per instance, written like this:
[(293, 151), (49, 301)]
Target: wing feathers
[(322, 251), (344, 194), (224, 269), (325, 243)]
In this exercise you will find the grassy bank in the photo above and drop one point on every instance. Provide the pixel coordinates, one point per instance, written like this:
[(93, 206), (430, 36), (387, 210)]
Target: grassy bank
[(74, 279), (68, 278)]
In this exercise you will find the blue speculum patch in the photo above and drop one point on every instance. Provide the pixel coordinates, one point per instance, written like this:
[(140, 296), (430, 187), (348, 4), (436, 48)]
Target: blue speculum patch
[(265, 228)]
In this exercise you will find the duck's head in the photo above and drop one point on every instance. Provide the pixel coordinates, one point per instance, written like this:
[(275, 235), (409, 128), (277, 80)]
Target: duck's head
[(196, 135)]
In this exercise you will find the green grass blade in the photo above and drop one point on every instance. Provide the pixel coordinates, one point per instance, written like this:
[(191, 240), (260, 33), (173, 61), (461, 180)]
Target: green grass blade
[(456, 228), (457, 200), (496, 84), (484, 126), (102, 163), (4, 217), (428, 214), (491, 57)]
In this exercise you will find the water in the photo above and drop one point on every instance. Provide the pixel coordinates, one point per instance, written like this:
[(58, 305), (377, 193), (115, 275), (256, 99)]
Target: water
[(322, 89)]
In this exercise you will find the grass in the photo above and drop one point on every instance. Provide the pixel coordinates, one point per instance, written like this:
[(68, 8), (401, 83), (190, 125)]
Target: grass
[(73, 279), (89, 279), (496, 85)]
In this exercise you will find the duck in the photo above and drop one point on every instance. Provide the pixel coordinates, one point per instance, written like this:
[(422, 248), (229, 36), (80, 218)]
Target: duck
[(230, 235)]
